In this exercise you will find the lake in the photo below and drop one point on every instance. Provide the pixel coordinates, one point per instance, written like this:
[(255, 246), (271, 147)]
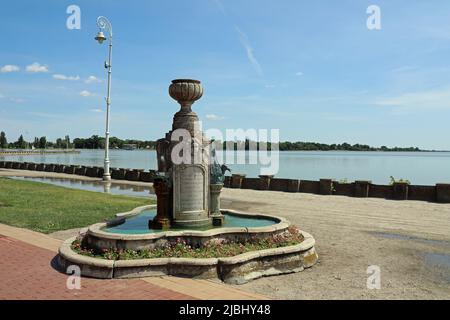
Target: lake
[(418, 167)]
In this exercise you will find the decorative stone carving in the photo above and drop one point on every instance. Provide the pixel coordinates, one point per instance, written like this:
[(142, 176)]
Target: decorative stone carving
[(217, 171), (186, 92), (217, 217), (163, 155)]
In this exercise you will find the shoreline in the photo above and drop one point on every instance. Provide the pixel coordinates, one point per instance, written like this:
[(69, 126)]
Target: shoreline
[(397, 189)]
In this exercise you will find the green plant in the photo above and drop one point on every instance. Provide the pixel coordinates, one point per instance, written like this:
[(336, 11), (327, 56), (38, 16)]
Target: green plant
[(393, 180), (181, 249)]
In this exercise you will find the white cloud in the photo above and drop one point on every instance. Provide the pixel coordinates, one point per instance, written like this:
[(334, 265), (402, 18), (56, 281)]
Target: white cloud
[(85, 93), (213, 117), (244, 41), (64, 77), (36, 68), (404, 69), (299, 73), (96, 110), (248, 48), (422, 100), (9, 68), (92, 79)]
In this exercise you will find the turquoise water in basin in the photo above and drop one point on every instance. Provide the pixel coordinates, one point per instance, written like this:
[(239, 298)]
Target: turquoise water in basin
[(139, 224)]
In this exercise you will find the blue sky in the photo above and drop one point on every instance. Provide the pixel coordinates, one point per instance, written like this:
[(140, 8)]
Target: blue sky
[(310, 68)]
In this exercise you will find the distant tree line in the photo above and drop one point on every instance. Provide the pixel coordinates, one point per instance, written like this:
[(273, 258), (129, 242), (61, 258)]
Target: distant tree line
[(37, 143), (312, 146), (97, 142), (94, 142)]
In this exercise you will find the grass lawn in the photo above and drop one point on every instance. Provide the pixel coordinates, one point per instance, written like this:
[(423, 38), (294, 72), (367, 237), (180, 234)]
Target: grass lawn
[(47, 208)]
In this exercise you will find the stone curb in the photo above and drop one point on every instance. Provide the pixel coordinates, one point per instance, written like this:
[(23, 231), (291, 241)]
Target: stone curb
[(89, 266), (305, 245), (135, 211)]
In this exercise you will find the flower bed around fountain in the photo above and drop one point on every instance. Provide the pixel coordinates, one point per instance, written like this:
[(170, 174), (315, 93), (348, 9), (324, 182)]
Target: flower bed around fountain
[(261, 251)]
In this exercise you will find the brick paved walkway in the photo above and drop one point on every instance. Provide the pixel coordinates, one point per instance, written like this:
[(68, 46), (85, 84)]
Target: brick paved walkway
[(26, 273)]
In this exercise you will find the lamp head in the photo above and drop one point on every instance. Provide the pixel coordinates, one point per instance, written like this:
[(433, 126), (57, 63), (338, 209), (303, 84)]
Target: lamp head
[(100, 37)]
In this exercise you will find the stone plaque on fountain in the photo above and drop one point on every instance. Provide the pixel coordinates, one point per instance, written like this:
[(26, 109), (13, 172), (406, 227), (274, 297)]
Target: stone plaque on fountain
[(190, 192)]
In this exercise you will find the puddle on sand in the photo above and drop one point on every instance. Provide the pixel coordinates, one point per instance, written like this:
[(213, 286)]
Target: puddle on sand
[(439, 262), (97, 186), (397, 236)]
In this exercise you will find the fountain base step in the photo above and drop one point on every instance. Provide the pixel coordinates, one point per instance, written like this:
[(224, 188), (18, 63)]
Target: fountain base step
[(159, 224), (193, 223)]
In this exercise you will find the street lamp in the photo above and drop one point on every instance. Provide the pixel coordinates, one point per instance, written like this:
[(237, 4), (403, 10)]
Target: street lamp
[(105, 25)]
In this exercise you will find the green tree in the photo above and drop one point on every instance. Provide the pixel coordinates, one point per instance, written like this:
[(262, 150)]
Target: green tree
[(95, 142), (42, 142), (3, 141), (59, 143), (21, 143)]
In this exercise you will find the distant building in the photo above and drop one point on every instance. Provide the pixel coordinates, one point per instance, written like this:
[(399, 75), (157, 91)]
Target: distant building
[(130, 146)]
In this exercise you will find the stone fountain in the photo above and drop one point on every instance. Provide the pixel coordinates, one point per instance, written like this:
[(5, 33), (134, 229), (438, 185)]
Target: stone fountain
[(188, 187), (183, 189)]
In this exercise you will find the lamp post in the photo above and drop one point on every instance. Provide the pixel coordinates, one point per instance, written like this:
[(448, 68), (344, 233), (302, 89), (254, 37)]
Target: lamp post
[(104, 24)]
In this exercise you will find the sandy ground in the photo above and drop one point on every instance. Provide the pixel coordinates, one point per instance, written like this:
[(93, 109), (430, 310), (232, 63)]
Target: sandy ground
[(408, 240)]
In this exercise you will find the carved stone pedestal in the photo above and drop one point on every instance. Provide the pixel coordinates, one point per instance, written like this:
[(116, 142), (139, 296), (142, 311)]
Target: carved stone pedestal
[(214, 205), (163, 211)]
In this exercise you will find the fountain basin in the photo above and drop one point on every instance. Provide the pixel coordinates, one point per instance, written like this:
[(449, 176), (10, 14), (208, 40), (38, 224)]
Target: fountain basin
[(100, 235), (237, 269)]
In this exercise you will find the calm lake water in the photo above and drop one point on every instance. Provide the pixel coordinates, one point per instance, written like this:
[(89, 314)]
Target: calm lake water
[(418, 167), (97, 186)]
